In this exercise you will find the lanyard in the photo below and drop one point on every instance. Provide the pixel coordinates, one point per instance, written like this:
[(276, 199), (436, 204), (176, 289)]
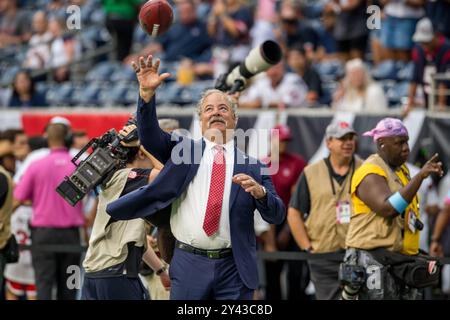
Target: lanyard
[(330, 174)]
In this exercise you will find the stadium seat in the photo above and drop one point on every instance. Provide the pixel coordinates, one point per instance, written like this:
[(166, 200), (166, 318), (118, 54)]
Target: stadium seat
[(385, 70), (405, 73), (103, 71), (87, 95), (113, 94), (330, 70), (397, 93), (59, 95), (8, 74), (124, 73)]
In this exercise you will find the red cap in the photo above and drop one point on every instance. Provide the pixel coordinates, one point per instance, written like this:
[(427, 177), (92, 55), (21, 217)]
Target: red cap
[(284, 132)]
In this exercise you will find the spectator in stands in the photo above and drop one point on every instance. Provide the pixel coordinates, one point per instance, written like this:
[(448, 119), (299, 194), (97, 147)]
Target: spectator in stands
[(295, 30), (120, 21), (431, 55), (299, 63), (276, 89), (286, 167), (350, 31), (38, 54), (439, 13), (64, 49), (398, 27), (265, 22), (54, 221), (327, 47), (358, 91), (229, 24), (14, 24), (24, 92), (186, 38), (327, 208)]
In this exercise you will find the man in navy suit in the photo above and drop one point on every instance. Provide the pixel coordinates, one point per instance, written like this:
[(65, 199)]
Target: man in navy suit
[(212, 195)]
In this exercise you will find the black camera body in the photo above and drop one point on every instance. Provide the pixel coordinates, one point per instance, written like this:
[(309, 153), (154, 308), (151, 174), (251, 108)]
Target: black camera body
[(108, 156)]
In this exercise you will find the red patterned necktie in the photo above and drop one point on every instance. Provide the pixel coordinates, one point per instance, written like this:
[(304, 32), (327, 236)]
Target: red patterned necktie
[(215, 198)]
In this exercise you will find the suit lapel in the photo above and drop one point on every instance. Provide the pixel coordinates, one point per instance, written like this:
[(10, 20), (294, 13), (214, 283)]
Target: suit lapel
[(240, 166)]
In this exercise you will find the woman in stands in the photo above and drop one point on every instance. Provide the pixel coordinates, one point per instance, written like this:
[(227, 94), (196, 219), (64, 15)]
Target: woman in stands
[(358, 91), (24, 93)]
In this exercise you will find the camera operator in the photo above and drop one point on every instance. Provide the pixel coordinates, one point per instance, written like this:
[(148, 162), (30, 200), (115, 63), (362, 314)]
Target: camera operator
[(384, 229), (117, 247)]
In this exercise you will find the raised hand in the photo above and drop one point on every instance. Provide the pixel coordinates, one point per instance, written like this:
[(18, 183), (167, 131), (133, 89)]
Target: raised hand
[(148, 77), (432, 166)]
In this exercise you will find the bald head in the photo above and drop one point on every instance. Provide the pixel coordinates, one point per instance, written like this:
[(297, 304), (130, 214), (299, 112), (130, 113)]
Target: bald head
[(55, 134)]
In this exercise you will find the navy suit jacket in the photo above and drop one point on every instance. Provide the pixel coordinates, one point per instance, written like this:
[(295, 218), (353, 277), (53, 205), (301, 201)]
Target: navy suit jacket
[(175, 178)]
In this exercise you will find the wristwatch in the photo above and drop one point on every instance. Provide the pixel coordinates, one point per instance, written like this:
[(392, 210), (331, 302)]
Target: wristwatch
[(163, 269), (264, 190)]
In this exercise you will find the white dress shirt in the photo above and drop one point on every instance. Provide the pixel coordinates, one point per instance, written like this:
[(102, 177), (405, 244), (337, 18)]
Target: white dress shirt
[(188, 212)]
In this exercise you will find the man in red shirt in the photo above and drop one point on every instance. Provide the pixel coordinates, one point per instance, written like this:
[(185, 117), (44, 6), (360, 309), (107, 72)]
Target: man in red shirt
[(289, 166)]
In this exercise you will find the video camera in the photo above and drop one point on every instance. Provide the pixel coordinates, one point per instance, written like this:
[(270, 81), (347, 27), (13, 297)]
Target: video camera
[(108, 156), (258, 60)]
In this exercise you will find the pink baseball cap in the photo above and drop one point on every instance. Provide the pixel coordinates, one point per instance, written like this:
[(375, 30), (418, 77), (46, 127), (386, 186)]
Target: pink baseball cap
[(388, 127)]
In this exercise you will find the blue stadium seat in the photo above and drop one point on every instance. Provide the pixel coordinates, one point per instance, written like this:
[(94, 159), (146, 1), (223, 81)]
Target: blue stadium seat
[(166, 93), (405, 73), (8, 74), (330, 70), (87, 95), (113, 94), (124, 73), (103, 71), (385, 70), (60, 95), (397, 93)]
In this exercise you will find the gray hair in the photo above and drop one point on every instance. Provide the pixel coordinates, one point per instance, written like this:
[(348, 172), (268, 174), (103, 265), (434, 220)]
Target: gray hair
[(168, 124), (230, 101)]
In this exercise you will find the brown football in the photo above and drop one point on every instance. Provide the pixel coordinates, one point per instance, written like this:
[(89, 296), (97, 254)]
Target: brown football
[(156, 17)]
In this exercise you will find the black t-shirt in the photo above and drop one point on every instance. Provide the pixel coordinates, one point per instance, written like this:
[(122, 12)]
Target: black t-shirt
[(313, 81), (301, 199), (136, 178), (3, 189)]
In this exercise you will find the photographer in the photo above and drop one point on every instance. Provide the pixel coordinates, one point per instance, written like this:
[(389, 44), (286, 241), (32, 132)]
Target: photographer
[(383, 259), (117, 247), (6, 201)]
